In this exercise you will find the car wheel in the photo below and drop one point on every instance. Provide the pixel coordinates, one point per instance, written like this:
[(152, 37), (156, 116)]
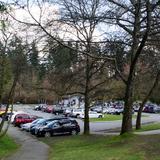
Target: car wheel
[(100, 116), (48, 134), (36, 132), (66, 115), (74, 132), (21, 125), (77, 116)]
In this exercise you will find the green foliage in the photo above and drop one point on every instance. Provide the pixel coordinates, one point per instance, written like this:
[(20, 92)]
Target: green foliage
[(17, 55), (5, 70), (33, 55), (61, 58), (42, 71)]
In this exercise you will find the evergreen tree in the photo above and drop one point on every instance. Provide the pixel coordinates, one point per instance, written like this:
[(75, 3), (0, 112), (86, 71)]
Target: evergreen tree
[(33, 56)]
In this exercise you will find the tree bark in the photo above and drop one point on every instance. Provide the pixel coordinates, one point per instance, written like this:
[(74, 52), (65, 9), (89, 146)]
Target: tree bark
[(127, 114), (86, 118), (10, 100), (138, 120)]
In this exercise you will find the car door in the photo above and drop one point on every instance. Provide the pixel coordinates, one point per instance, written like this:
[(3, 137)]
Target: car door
[(57, 128), (92, 115), (65, 123)]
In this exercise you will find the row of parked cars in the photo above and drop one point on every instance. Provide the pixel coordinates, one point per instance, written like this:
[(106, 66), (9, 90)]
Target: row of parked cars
[(148, 108), (67, 111), (45, 127), (118, 108), (49, 108)]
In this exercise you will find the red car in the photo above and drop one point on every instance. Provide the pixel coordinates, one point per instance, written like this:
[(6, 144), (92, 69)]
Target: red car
[(23, 118), (49, 109)]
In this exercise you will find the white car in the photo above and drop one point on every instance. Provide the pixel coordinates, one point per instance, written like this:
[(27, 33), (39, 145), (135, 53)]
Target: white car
[(26, 126), (92, 114), (116, 111), (76, 112), (67, 112)]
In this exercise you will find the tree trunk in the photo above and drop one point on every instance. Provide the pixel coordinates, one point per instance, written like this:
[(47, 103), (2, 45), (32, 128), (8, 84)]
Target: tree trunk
[(1, 78), (127, 114), (139, 115), (86, 118), (138, 120), (10, 100)]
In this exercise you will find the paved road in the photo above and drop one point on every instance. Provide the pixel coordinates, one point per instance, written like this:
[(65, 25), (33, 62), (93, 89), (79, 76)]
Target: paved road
[(31, 148)]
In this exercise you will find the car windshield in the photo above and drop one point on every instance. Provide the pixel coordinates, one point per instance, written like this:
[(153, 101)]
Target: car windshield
[(24, 116)]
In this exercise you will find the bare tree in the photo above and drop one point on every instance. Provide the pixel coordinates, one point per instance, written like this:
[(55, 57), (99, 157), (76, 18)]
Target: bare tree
[(81, 18), (135, 19)]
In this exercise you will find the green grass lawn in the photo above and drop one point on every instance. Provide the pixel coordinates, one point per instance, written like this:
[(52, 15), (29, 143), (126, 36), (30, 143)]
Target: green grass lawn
[(149, 127), (7, 146), (108, 117), (129, 147)]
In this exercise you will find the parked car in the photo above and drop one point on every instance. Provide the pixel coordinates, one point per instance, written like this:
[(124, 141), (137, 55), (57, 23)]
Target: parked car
[(92, 114), (57, 110), (116, 111), (151, 109), (43, 122), (23, 118), (97, 109), (100, 109), (67, 112), (37, 108), (76, 112), (43, 107), (49, 109), (136, 107), (27, 126), (63, 126), (14, 113)]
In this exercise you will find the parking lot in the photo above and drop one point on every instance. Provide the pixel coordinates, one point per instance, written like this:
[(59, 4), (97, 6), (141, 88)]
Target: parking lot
[(94, 126)]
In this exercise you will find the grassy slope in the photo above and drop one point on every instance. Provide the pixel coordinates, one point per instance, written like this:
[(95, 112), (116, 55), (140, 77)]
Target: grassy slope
[(104, 148), (149, 127), (7, 146), (108, 117)]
